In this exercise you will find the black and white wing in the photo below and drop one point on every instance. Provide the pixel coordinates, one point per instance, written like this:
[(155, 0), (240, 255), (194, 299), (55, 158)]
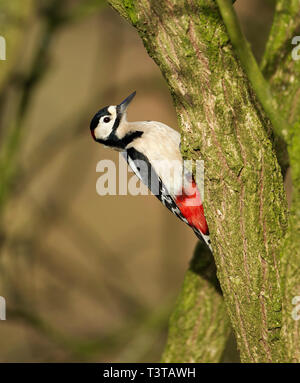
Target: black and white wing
[(146, 173)]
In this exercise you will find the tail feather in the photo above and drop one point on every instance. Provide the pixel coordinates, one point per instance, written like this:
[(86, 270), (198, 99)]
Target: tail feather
[(203, 237)]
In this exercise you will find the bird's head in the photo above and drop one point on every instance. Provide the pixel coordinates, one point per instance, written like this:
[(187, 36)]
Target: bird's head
[(109, 125)]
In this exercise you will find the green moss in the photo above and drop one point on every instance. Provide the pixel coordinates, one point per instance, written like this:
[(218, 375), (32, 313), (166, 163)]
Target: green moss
[(223, 124), (131, 11)]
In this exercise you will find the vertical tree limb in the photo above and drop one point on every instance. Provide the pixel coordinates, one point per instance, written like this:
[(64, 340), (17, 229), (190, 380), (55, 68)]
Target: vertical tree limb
[(260, 85), (222, 124)]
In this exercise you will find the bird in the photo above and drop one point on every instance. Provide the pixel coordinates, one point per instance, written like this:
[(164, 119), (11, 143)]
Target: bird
[(152, 150)]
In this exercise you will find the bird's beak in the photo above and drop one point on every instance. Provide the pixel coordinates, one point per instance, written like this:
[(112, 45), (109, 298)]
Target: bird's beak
[(124, 104)]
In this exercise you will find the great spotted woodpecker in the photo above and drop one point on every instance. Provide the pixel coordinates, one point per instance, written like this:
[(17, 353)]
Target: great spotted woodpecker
[(152, 150)]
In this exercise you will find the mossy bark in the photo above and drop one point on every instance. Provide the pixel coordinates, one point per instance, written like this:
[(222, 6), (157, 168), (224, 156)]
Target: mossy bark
[(283, 72), (14, 14), (223, 124), (199, 325)]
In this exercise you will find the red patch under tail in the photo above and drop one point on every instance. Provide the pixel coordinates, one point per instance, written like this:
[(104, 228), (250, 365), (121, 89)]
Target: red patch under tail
[(191, 208)]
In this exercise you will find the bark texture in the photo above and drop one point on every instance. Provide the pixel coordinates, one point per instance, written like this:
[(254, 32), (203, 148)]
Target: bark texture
[(222, 123), (199, 326), (283, 72)]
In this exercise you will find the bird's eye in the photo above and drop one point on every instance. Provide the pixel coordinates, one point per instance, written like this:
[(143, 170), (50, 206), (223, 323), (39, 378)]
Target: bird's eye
[(106, 119)]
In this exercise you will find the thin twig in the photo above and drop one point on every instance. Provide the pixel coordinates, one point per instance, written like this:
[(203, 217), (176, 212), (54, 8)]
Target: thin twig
[(244, 52)]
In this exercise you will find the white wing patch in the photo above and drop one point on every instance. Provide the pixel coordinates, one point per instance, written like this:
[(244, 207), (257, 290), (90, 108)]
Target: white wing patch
[(159, 189)]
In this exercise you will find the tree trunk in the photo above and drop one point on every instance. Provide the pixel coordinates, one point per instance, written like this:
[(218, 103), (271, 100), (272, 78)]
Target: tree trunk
[(223, 123)]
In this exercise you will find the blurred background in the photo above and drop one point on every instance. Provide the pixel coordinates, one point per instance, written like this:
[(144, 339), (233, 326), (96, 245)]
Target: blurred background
[(85, 277)]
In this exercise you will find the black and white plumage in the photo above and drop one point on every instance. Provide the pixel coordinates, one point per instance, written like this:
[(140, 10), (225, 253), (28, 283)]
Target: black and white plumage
[(152, 150)]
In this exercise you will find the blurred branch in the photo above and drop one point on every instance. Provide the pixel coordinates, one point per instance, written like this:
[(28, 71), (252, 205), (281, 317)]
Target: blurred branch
[(56, 209), (47, 216), (278, 64), (84, 8), (54, 15)]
